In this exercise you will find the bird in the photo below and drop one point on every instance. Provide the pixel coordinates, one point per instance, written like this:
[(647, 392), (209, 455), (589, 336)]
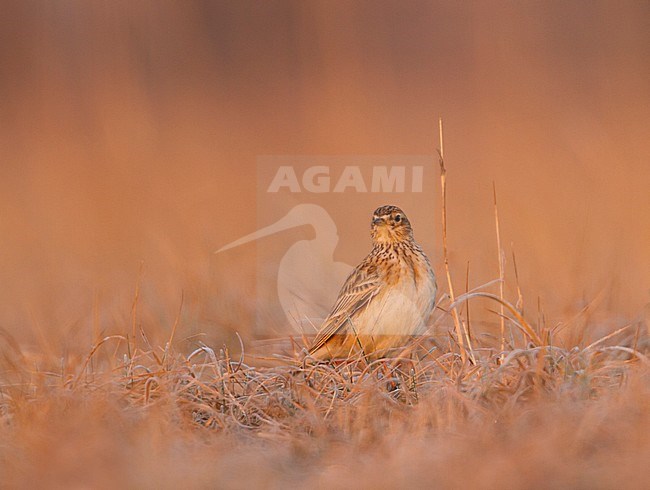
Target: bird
[(303, 300), (385, 301)]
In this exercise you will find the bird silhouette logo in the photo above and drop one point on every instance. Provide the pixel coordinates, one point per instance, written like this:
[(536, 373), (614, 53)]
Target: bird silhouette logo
[(307, 275)]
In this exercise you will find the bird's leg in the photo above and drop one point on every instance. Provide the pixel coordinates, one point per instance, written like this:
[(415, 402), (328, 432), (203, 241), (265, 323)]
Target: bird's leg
[(386, 372)]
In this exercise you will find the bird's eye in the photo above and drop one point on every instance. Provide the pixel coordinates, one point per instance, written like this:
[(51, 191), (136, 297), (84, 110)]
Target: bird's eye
[(398, 218)]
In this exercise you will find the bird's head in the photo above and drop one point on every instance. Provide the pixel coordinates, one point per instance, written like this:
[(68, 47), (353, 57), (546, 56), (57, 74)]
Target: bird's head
[(390, 224)]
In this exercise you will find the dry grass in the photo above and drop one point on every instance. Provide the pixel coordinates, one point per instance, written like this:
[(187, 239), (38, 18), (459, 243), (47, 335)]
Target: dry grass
[(545, 416)]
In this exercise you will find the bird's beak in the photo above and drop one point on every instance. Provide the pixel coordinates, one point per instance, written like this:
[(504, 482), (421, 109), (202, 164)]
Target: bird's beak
[(377, 221), (289, 221)]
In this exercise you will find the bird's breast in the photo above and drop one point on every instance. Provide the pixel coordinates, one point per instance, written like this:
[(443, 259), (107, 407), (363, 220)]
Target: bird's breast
[(405, 302)]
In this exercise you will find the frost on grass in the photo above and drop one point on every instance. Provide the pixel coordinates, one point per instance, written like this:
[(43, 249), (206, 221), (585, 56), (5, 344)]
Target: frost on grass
[(530, 415)]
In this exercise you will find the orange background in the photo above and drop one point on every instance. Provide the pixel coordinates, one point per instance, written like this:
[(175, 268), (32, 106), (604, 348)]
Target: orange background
[(130, 133)]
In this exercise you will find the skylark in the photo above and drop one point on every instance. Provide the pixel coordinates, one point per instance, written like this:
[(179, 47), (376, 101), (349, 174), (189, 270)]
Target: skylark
[(387, 298)]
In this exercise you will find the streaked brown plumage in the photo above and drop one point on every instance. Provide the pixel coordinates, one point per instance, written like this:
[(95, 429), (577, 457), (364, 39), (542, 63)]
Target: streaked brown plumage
[(386, 299)]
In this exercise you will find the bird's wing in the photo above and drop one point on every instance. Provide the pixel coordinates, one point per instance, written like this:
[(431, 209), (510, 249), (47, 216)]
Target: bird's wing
[(359, 288)]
